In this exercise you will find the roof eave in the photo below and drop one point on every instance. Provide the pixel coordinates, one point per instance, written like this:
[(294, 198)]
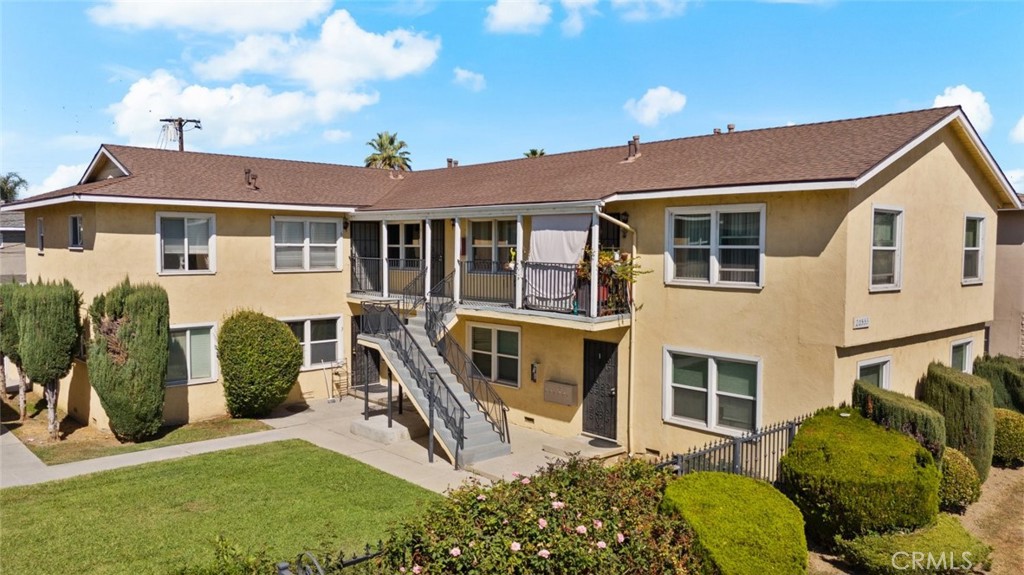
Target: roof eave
[(103, 199)]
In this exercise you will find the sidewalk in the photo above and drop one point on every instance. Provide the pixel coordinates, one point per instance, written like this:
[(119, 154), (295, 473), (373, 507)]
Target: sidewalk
[(326, 425)]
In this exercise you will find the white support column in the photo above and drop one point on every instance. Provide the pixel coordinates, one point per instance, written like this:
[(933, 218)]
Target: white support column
[(519, 261), (427, 256), (384, 287), (593, 263), (457, 255)]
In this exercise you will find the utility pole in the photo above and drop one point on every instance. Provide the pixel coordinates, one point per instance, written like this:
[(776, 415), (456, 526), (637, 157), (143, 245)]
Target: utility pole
[(179, 127)]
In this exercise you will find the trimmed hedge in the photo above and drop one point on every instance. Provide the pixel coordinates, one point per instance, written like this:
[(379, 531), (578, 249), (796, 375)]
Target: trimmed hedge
[(260, 359), (1006, 375), (945, 547), (903, 413), (1008, 450), (740, 525), (960, 485), (965, 401), (850, 477)]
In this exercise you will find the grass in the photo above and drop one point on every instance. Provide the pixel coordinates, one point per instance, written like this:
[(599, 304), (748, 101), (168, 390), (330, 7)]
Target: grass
[(285, 497), (80, 442)]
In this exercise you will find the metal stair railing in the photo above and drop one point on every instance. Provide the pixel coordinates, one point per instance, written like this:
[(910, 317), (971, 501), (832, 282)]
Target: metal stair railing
[(441, 303), (379, 319), (412, 295)]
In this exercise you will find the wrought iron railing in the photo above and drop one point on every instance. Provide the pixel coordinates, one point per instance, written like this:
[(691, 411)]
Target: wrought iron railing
[(480, 389), (488, 282), (366, 275), (380, 320), (755, 454), (412, 295)]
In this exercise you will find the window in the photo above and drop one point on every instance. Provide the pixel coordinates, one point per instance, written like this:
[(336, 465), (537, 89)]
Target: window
[(962, 355), (875, 371), (886, 248), (186, 242), (492, 246), (76, 232), (319, 339), (721, 245), (39, 235), (495, 352), (974, 237), (191, 355), (712, 392), (404, 245), (306, 244)]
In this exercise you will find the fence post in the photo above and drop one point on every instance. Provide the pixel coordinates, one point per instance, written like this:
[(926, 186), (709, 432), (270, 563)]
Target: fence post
[(430, 401), (737, 452), (791, 434)]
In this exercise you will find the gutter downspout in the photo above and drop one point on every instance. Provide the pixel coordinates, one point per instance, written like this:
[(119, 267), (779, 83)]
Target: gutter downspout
[(632, 337)]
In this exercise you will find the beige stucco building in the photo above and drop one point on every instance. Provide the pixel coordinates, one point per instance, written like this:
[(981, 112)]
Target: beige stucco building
[(1007, 333), (776, 267)]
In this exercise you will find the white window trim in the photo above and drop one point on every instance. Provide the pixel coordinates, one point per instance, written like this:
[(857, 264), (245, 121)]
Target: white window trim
[(886, 361), (496, 245), (711, 424), (898, 248), (212, 244), (81, 232), (968, 353), (494, 353), (306, 244), (214, 363), (307, 365), (964, 280), (714, 271), (40, 236), (402, 245)]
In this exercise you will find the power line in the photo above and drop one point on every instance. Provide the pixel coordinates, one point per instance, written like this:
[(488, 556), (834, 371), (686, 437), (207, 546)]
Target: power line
[(179, 127)]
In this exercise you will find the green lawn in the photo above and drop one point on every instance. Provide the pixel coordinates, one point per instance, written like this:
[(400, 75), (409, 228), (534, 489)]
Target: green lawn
[(286, 497)]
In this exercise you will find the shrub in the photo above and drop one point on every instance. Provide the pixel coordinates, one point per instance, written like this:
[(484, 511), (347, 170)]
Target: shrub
[(1006, 375), (903, 413), (945, 547), (960, 485), (849, 477), (260, 359), (128, 357), (966, 403), (1008, 450), (740, 525), (572, 517), (11, 304)]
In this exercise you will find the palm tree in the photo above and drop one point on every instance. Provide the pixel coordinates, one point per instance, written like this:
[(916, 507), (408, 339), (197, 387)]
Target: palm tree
[(10, 184), (534, 153), (388, 152)]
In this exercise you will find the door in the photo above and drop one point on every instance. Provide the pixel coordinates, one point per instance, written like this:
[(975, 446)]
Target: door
[(436, 251), (365, 364), (600, 388), (366, 265)]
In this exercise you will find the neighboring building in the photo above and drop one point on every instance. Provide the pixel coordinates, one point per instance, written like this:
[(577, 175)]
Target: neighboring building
[(1007, 334), (12, 247), (784, 263)]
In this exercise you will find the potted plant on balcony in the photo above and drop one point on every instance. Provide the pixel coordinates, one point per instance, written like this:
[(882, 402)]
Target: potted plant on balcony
[(615, 272)]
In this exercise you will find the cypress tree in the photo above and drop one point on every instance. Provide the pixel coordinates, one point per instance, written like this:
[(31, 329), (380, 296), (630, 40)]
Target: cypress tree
[(10, 302), (128, 357)]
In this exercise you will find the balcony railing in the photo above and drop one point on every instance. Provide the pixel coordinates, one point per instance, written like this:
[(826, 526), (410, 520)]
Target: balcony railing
[(488, 282), (366, 275)]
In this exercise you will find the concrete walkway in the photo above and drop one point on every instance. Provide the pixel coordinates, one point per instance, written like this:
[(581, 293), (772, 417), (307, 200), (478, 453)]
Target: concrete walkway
[(328, 425)]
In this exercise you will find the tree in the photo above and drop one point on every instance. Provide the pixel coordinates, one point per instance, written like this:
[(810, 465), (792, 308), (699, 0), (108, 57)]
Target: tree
[(10, 309), (10, 185), (534, 153), (128, 357), (49, 329), (388, 153)]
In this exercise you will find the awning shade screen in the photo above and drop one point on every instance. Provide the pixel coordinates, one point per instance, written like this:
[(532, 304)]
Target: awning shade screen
[(556, 247)]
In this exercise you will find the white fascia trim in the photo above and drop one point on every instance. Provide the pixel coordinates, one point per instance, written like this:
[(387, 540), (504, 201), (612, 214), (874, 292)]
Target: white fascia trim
[(183, 203), (992, 165), (732, 190), (95, 159), (482, 212), (3, 229)]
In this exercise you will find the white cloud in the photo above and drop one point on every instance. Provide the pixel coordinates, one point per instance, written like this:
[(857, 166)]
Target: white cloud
[(471, 80), (342, 58), (517, 17), (62, 177), (232, 116), (210, 17), (1017, 134), (337, 135), (972, 102), (575, 10), (655, 105), (1016, 178), (640, 10)]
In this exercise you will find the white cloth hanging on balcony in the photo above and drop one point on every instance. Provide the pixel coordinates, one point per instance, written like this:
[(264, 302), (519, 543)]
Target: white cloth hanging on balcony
[(556, 247)]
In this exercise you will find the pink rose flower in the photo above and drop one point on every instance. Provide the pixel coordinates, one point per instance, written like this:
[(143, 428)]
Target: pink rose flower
[(417, 569), (455, 552), (544, 554), (516, 474), (481, 497), (581, 529), (515, 546), (557, 504), (620, 537), (601, 544), (542, 523), (526, 481), (598, 524), (552, 495)]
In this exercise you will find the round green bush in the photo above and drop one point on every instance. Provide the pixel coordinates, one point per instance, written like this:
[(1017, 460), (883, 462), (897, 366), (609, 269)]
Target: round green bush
[(1009, 444), (260, 360), (740, 525), (960, 485), (850, 476), (945, 547)]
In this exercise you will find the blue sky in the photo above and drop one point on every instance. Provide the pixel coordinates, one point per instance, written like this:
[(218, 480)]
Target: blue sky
[(485, 81)]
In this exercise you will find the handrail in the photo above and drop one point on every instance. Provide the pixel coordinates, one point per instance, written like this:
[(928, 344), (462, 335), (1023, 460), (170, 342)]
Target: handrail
[(380, 319), (413, 292), (480, 389)]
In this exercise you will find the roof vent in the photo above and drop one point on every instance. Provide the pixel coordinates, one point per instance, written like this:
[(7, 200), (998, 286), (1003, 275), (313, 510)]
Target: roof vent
[(250, 179), (450, 162), (718, 131), (632, 149), (732, 128)]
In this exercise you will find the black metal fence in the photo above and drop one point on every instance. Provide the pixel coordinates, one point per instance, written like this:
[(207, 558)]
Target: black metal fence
[(366, 275), (308, 564), (488, 282), (755, 454)]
